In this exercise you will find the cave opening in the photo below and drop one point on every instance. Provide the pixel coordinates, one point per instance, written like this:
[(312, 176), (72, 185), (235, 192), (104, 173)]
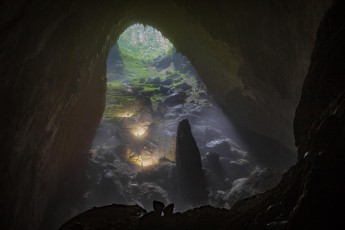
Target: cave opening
[(256, 59), (151, 87)]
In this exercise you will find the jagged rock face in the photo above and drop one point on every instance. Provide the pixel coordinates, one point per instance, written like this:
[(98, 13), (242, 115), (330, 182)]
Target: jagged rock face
[(310, 194), (251, 55), (324, 81), (191, 183)]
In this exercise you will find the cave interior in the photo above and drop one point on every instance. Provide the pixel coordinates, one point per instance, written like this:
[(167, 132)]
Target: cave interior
[(272, 71)]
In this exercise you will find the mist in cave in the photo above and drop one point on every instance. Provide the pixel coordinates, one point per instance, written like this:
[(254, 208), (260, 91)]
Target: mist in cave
[(151, 88)]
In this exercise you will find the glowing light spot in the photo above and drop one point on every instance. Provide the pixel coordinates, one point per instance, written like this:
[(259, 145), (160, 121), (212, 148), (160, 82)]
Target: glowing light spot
[(144, 161), (139, 131), (124, 114)]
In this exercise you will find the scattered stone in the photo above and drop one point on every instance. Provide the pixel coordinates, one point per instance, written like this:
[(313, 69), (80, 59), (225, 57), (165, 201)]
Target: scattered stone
[(136, 89), (175, 99), (154, 81), (168, 210), (158, 206), (177, 79), (143, 100), (184, 86), (163, 62), (223, 148), (163, 89), (142, 80), (259, 181), (167, 81)]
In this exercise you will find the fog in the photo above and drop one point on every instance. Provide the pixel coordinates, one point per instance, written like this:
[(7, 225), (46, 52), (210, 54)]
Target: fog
[(132, 159)]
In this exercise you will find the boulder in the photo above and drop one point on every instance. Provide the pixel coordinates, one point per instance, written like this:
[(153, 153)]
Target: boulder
[(175, 99), (163, 89), (143, 100), (154, 81), (204, 110), (168, 210), (158, 206), (136, 89), (223, 148), (167, 81), (171, 74), (163, 62), (150, 93), (184, 86)]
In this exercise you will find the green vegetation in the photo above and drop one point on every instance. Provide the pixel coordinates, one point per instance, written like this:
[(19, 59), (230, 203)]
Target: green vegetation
[(135, 67), (140, 49), (143, 43)]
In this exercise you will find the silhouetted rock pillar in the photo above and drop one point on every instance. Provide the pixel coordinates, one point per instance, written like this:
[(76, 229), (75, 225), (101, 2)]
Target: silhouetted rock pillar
[(191, 183)]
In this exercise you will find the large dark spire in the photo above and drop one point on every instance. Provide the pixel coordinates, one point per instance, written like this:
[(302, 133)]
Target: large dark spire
[(190, 178)]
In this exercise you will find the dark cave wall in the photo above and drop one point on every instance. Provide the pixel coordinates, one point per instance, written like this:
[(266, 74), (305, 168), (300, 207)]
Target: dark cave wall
[(53, 87), (325, 79), (252, 56)]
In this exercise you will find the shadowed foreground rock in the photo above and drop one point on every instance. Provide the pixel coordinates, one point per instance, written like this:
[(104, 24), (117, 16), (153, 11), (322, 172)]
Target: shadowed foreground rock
[(134, 217), (114, 216)]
